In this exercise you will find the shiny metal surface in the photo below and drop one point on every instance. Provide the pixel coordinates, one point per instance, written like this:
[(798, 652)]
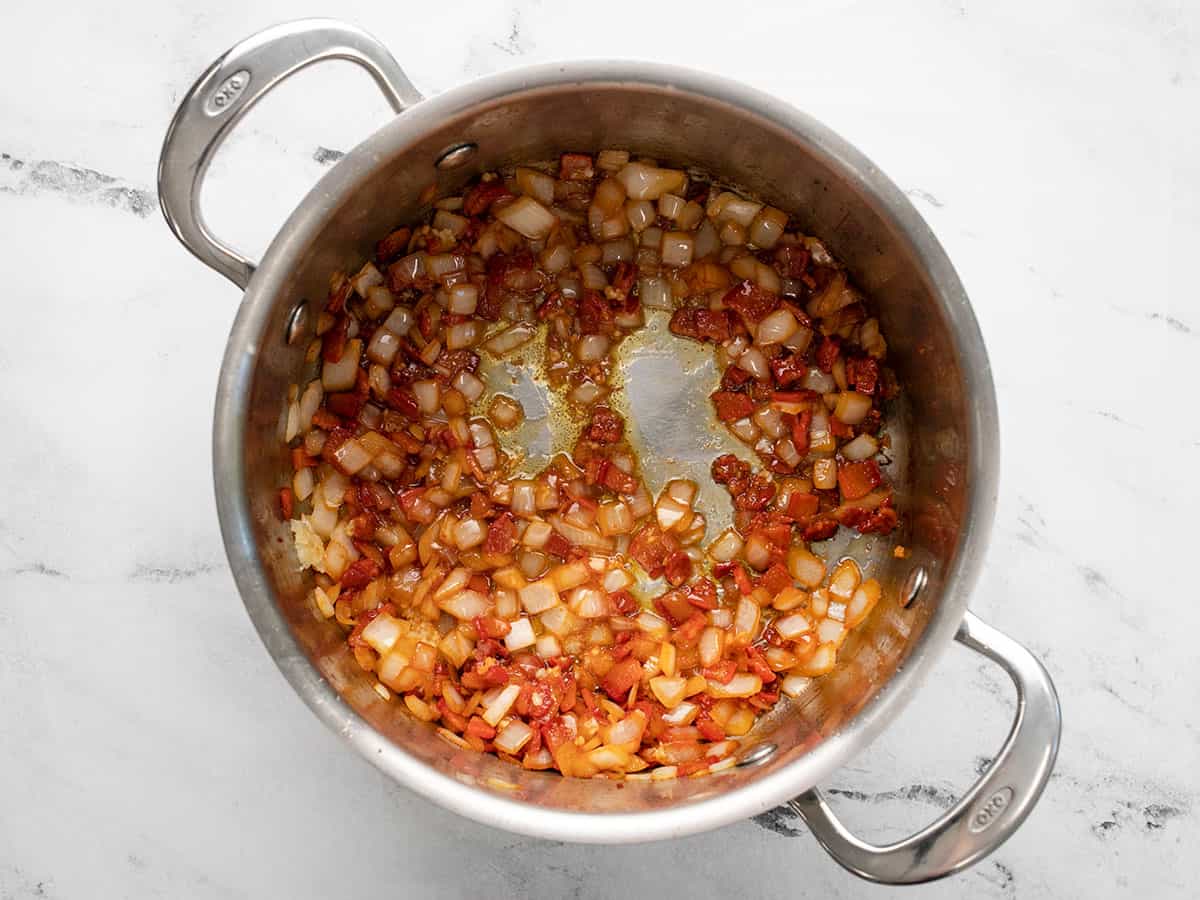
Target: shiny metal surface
[(994, 806), (226, 92), (946, 434)]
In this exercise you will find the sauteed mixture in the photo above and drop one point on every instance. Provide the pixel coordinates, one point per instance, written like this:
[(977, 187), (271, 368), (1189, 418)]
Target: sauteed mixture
[(574, 617)]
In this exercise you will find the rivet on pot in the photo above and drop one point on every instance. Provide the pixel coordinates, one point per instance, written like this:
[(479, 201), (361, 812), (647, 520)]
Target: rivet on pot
[(913, 585), (454, 156), (757, 755), (297, 323)]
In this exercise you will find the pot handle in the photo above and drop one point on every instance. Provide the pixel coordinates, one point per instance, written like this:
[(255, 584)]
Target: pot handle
[(226, 91), (994, 806)]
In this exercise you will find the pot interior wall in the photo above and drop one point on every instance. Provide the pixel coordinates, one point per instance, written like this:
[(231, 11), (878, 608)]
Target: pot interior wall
[(790, 171)]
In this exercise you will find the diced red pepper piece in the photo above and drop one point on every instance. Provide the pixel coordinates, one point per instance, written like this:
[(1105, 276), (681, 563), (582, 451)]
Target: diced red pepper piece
[(559, 545), (678, 567), (595, 315), (576, 167), (286, 503), (742, 577), (820, 530), (689, 632), (710, 730), (620, 678), (502, 535), (624, 601), (802, 506), (703, 594), (481, 197), (858, 479), (650, 547), (776, 578), (827, 353), (360, 573), (732, 406), (800, 426), (701, 324), (490, 626), (606, 427), (347, 405), (721, 672), (480, 729), (395, 244), (863, 373), (333, 342), (751, 301)]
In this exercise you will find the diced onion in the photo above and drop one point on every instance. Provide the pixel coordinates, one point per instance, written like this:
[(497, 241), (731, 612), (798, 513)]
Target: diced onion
[(528, 217), (463, 299), (537, 185), (754, 362), (776, 327), (428, 395), (852, 407), (655, 293), (499, 707), (862, 447), (592, 348), (643, 182), (520, 635), (510, 339), (677, 248), (341, 375), (727, 546), (468, 385)]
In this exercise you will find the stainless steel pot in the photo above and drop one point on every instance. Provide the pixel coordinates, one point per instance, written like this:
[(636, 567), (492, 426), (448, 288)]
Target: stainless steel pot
[(949, 428)]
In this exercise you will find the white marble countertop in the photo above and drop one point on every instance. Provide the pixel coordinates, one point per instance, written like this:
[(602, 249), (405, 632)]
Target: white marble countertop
[(149, 747)]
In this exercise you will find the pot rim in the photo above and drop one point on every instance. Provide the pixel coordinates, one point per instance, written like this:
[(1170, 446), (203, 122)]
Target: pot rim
[(231, 412)]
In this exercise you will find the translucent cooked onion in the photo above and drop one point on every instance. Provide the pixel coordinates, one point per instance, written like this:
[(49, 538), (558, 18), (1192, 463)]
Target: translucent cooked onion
[(592, 348), (758, 551), (806, 568), (745, 430), (655, 293), (754, 362), (612, 252), (852, 407), (512, 737), (469, 533), (824, 474), (468, 385), (767, 227), (510, 339), (383, 347), (428, 395), (505, 411), (676, 249), (776, 327), (727, 546), (341, 375), (462, 334), (614, 517), (400, 321), (537, 185), (462, 299), (587, 538), (640, 213), (556, 259), (816, 380), (643, 182), (528, 217), (862, 447)]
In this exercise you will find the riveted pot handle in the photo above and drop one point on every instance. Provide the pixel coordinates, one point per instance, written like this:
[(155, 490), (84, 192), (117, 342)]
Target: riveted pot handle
[(226, 91), (994, 806)]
